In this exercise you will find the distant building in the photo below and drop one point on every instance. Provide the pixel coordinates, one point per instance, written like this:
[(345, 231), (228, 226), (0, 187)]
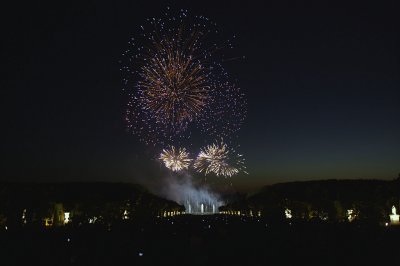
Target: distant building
[(58, 216), (394, 217)]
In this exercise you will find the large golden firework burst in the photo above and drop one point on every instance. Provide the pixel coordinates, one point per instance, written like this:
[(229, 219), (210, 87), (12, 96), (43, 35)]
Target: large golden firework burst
[(174, 81), (178, 89)]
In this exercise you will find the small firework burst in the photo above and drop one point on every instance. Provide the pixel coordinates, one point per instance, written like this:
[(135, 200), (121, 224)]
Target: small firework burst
[(175, 159), (220, 160)]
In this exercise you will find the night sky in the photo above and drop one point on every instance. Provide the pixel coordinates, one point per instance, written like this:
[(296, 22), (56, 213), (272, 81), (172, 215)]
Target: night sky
[(322, 83)]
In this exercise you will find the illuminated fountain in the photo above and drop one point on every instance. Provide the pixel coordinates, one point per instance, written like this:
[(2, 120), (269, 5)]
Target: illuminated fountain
[(196, 199), (394, 217), (205, 206)]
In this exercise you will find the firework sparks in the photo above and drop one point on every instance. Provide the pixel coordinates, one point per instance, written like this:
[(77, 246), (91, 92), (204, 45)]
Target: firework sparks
[(219, 159), (226, 113), (175, 159)]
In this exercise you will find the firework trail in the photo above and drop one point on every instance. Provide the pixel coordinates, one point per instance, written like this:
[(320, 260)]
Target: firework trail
[(175, 159)]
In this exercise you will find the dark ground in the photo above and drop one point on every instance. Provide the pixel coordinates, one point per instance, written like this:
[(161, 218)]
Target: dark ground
[(203, 240)]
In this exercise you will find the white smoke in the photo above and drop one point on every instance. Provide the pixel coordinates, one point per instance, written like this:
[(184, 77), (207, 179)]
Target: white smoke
[(196, 199)]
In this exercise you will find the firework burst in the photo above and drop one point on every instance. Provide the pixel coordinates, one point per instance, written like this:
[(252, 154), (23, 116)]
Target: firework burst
[(174, 86), (220, 160), (176, 82), (175, 159)]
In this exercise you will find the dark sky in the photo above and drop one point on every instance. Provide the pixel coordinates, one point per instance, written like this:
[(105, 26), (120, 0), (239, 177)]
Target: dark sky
[(322, 82)]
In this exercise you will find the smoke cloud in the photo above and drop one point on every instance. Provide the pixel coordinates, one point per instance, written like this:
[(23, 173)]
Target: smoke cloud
[(195, 198)]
